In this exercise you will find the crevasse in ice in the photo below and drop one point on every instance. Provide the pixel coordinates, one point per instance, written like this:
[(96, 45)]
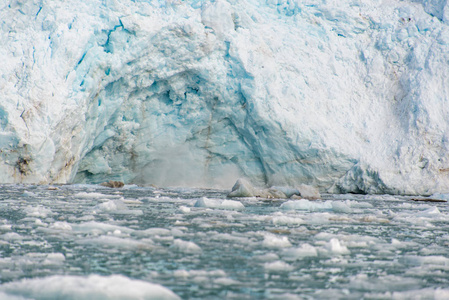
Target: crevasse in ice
[(347, 96)]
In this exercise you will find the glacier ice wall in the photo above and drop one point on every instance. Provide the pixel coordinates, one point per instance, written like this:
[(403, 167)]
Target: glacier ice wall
[(351, 96)]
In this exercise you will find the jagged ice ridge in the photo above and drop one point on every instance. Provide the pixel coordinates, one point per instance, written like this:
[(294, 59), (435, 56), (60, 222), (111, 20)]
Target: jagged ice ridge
[(349, 96)]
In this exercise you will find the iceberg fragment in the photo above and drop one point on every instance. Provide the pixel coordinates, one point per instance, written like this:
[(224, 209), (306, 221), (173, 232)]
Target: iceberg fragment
[(78, 287)]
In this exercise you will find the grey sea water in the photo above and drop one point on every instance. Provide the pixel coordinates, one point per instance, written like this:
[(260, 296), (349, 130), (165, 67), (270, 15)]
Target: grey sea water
[(201, 245)]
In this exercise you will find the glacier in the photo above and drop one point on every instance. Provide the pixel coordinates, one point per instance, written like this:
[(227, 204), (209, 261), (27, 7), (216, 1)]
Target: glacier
[(348, 96)]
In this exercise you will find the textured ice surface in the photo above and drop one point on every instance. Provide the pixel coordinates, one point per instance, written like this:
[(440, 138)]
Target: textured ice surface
[(341, 247), (78, 288), (344, 95)]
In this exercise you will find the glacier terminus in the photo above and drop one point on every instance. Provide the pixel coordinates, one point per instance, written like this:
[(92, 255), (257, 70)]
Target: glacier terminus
[(348, 96)]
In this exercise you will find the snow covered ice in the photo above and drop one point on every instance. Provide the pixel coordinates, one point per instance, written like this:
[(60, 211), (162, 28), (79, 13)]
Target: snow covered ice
[(347, 96), (57, 244)]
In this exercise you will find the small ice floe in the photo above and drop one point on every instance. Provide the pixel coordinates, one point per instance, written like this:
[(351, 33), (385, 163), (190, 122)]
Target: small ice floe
[(112, 241), (277, 267), (85, 195), (28, 194), (38, 211), (334, 246), (218, 277), (154, 231), (185, 247), (272, 241), (116, 207), (79, 287), (61, 226), (302, 252), (184, 209), (11, 236), (432, 260), (220, 204), (386, 283), (266, 257), (280, 219), (303, 204), (242, 188), (97, 228), (54, 259), (225, 281)]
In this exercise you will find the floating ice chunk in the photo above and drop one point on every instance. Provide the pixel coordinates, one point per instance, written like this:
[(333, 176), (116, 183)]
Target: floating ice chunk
[(357, 204), (305, 250), (181, 273), (225, 204), (61, 226), (117, 242), (225, 281), (11, 236), (383, 283), (184, 209), (186, 247), (38, 211), (429, 212), (92, 287), (5, 227), (54, 259), (205, 202), (277, 267), (267, 257), (335, 247), (196, 273), (86, 195), (231, 204), (117, 207), (287, 220), (288, 191), (99, 228), (342, 207), (112, 205), (272, 241), (56, 256), (242, 188), (28, 194), (304, 204), (233, 238), (427, 293), (155, 231), (436, 260)]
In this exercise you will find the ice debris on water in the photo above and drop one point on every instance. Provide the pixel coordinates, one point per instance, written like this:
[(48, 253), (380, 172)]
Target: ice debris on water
[(79, 287), (220, 204), (243, 188)]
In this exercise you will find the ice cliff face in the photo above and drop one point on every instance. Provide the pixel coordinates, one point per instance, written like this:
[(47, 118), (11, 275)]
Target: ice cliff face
[(351, 96)]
